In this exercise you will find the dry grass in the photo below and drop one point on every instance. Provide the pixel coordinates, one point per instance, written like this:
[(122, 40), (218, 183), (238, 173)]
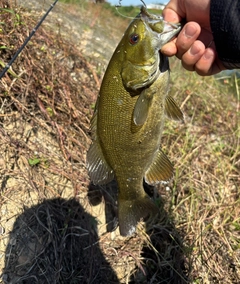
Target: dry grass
[(50, 232), (206, 152)]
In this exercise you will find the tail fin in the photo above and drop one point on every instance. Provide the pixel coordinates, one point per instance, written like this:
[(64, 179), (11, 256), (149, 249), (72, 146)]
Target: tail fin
[(130, 212)]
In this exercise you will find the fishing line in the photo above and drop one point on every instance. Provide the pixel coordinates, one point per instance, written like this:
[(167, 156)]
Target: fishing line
[(120, 5), (27, 40), (122, 14)]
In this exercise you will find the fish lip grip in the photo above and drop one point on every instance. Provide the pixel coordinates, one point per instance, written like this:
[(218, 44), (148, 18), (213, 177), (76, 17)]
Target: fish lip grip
[(155, 19)]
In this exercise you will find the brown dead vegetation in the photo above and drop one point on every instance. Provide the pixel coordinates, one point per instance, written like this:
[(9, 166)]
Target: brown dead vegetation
[(54, 225)]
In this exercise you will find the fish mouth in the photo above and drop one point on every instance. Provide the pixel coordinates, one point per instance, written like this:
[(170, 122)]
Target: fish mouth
[(144, 13), (171, 26), (165, 30), (170, 30)]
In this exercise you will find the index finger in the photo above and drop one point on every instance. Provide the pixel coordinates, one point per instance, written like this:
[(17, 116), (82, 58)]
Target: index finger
[(170, 15)]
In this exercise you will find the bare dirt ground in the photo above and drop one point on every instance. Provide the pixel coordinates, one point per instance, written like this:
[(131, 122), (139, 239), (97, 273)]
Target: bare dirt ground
[(55, 227)]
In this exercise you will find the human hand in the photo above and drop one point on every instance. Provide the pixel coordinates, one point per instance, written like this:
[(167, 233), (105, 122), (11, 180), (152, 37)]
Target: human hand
[(194, 44)]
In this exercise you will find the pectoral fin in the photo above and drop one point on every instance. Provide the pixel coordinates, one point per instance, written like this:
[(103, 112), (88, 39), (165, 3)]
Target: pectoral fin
[(98, 169), (172, 110), (161, 169), (142, 107)]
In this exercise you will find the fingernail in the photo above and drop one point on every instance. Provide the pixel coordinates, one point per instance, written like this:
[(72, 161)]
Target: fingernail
[(194, 50), (208, 54), (190, 31)]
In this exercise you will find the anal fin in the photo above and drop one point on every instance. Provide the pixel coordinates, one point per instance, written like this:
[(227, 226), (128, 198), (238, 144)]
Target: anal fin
[(161, 169)]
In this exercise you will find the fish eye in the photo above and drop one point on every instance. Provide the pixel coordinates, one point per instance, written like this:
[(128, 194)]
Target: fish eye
[(134, 38)]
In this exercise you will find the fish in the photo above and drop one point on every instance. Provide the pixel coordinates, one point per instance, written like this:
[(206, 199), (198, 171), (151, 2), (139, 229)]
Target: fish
[(128, 119)]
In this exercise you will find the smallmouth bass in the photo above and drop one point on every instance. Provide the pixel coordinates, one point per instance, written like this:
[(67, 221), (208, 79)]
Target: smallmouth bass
[(129, 116)]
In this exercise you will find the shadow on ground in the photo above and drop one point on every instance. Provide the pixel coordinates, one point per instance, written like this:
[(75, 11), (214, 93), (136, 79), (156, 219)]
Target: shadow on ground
[(163, 258), (55, 242)]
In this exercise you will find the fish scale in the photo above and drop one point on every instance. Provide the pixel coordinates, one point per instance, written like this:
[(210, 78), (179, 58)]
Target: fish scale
[(129, 117)]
